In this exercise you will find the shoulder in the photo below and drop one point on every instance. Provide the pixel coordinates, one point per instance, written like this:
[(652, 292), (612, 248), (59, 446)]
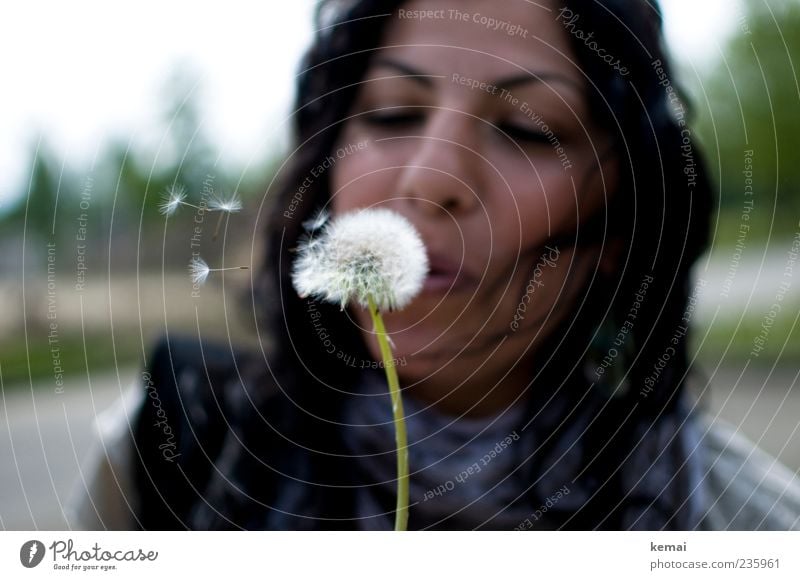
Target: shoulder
[(745, 488), (104, 497), (189, 387)]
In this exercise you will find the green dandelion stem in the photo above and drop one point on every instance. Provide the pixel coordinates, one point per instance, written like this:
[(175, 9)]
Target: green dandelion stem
[(401, 439)]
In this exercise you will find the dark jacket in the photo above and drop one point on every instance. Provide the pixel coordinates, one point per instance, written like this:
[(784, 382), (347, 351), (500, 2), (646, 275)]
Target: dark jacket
[(209, 456), (192, 448)]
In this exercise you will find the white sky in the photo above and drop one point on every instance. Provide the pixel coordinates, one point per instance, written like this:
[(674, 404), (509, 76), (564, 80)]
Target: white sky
[(82, 71)]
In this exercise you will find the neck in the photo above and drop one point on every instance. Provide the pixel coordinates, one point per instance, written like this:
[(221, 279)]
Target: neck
[(483, 393)]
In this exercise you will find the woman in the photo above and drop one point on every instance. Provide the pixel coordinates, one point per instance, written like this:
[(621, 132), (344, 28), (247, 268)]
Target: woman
[(545, 158)]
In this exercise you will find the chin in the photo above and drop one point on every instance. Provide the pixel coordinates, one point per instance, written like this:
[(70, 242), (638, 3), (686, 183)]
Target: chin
[(418, 354)]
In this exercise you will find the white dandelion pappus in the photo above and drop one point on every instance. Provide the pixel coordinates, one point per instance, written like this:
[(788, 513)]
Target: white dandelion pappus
[(225, 206), (200, 270), (171, 199), (371, 253), (230, 205), (317, 222)]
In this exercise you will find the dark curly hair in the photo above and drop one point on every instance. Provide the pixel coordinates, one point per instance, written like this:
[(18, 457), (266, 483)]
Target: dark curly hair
[(660, 211)]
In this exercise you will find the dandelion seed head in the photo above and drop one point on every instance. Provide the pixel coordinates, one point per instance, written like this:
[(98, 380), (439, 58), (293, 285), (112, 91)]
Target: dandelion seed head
[(369, 253), (230, 205), (199, 270), (171, 199)]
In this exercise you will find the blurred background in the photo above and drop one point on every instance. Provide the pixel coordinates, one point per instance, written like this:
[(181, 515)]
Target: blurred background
[(105, 109)]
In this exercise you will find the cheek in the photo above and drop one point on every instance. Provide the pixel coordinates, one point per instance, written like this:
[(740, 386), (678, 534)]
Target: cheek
[(539, 206), (364, 178), (548, 201)]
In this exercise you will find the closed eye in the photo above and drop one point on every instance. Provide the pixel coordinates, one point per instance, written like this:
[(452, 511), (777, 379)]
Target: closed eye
[(388, 120), (524, 134)]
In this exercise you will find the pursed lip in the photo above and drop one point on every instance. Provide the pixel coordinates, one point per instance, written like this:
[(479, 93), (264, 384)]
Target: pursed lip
[(446, 275)]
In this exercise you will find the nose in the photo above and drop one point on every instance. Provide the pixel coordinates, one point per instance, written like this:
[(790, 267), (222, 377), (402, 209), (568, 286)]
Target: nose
[(442, 176)]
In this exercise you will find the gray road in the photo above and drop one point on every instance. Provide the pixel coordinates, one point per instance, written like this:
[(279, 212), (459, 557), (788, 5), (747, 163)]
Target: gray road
[(763, 404), (44, 435)]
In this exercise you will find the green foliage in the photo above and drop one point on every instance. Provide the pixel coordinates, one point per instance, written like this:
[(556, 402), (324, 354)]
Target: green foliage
[(127, 179), (731, 337), (46, 362), (753, 104), (46, 183)]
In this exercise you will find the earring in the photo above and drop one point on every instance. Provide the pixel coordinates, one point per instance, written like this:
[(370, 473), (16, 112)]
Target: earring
[(609, 356)]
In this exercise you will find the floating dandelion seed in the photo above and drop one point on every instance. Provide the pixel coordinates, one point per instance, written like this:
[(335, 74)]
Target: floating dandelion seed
[(230, 205), (200, 270), (174, 197), (225, 206), (171, 199), (373, 253), (376, 259)]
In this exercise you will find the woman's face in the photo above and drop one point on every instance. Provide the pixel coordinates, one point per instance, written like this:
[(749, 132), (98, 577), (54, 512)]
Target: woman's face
[(473, 123)]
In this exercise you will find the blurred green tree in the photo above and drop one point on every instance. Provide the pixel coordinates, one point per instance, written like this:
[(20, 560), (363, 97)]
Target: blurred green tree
[(752, 104), (37, 211), (128, 177)]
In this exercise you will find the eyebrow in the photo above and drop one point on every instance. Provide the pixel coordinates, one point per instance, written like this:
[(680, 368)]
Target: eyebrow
[(426, 80), (415, 75)]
